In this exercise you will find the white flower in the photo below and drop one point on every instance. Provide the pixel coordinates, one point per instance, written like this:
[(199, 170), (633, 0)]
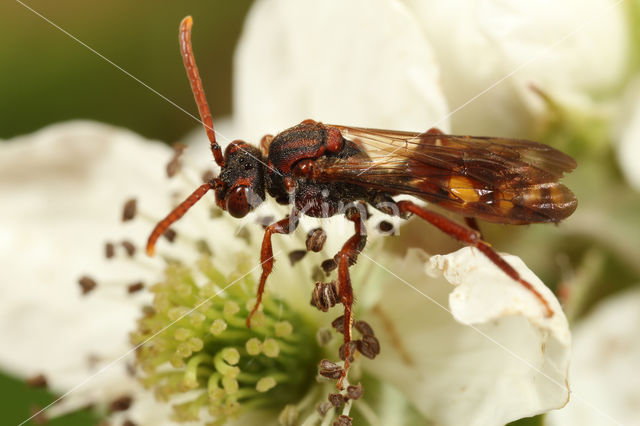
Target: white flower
[(361, 63), (607, 352), (83, 169), (410, 64), (482, 354), (498, 50), (64, 185), (629, 135)]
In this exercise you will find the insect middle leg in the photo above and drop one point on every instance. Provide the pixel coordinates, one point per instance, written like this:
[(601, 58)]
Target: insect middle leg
[(284, 226), (346, 257), (473, 238)]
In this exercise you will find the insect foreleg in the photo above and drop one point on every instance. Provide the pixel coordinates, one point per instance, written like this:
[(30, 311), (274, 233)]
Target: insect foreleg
[(177, 213), (284, 226), (473, 238)]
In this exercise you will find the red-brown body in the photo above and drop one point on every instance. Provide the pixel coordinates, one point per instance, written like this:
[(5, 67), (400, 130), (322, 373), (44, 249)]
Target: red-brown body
[(324, 170), (300, 146), (496, 180)]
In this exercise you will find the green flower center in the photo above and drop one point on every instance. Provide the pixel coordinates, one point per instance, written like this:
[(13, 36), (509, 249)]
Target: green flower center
[(194, 342)]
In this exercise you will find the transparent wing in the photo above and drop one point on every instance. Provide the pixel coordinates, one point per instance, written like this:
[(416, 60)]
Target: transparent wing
[(495, 179)]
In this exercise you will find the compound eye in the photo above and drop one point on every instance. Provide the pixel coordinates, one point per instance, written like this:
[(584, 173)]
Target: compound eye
[(238, 202)]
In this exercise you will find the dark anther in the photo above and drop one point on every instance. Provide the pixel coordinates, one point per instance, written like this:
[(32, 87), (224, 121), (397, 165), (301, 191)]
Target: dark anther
[(328, 266), (148, 311), (296, 256), (37, 381), (173, 166), (353, 345), (170, 235), (109, 250), (323, 408), (120, 404), (316, 239), (385, 227), (343, 421), (129, 210), (128, 422), (87, 284), (369, 346), (203, 247), (364, 328), (135, 287), (129, 247), (338, 324), (131, 369), (324, 336), (93, 360), (336, 399), (325, 296), (215, 212), (355, 392), (38, 415), (329, 369), (207, 176)]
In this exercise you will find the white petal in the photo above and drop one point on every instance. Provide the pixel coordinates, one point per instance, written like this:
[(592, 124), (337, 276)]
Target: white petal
[(63, 189), (606, 357), (629, 145), (493, 359), (361, 63), (145, 410), (563, 48), (65, 186)]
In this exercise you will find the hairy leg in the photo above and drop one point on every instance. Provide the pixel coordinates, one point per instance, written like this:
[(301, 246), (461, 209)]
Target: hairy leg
[(472, 238), (346, 257), (284, 226)]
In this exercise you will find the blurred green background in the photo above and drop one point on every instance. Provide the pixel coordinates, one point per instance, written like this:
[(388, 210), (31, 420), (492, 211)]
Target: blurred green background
[(47, 77)]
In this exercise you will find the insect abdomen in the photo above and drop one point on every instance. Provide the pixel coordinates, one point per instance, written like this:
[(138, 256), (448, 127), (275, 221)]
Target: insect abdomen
[(547, 202), (538, 203)]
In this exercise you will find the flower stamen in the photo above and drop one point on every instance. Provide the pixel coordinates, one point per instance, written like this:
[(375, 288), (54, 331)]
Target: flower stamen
[(210, 348)]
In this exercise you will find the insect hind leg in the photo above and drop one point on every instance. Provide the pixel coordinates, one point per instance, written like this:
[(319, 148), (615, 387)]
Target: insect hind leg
[(473, 224), (472, 238)]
